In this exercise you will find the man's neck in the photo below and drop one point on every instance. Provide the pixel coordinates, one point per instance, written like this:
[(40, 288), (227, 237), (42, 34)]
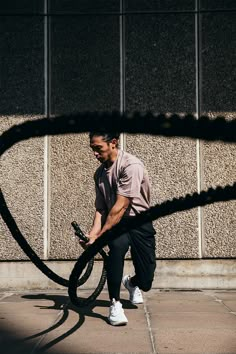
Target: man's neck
[(112, 159)]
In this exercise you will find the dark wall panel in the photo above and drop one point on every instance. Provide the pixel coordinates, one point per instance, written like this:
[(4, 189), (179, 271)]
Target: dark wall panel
[(85, 63), (60, 6), (21, 65), (21, 6), (159, 5), (218, 55), (160, 63), (217, 4)]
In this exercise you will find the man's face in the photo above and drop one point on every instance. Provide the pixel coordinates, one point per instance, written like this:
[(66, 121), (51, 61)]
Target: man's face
[(103, 151)]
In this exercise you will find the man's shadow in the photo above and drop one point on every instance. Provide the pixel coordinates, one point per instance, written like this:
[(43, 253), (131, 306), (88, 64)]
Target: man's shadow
[(63, 303)]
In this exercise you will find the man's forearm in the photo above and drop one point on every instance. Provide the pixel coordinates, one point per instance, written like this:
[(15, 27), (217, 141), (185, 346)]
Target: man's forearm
[(97, 224), (113, 218)]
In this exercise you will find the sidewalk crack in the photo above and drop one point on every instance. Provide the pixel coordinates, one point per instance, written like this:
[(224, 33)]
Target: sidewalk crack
[(6, 295), (222, 303), (58, 317), (152, 339)]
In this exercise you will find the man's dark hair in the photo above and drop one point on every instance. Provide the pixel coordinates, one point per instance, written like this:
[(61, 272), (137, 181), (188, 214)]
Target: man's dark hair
[(106, 136)]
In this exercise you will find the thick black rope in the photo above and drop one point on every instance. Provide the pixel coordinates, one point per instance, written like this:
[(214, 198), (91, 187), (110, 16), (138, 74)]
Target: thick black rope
[(103, 278), (17, 235), (169, 207), (160, 210), (188, 126), (148, 123)]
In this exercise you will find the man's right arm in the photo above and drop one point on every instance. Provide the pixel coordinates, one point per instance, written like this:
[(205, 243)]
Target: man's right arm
[(100, 213)]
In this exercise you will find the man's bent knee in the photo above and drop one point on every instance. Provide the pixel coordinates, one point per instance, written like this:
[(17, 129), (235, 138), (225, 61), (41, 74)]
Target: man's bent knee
[(146, 286)]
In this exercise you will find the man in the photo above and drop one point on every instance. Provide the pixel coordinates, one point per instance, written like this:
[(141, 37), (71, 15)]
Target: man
[(122, 191)]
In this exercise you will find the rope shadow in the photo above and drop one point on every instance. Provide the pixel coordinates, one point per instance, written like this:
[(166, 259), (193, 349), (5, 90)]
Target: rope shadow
[(61, 303)]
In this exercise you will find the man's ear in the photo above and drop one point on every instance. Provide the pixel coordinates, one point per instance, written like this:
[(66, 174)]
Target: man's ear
[(114, 142)]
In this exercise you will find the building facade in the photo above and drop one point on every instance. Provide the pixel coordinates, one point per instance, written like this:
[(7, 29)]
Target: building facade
[(61, 57)]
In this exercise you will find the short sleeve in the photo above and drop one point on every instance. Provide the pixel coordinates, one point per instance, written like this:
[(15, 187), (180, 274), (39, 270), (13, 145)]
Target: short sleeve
[(130, 180)]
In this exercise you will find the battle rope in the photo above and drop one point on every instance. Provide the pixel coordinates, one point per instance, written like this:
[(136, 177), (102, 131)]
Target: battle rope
[(148, 123), (188, 126), (103, 278), (17, 235), (159, 210)]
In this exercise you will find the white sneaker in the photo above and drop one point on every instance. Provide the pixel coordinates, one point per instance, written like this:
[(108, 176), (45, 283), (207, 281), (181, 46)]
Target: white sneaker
[(135, 295), (116, 314)]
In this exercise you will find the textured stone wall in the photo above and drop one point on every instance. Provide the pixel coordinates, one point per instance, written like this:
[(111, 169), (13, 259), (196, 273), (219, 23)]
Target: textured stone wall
[(160, 56)]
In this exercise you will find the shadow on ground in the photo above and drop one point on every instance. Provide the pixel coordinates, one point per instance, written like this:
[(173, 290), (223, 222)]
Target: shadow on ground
[(63, 304)]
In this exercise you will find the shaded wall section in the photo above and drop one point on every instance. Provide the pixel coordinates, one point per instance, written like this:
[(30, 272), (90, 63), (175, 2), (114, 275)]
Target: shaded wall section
[(158, 76), (218, 91), (21, 99), (85, 76)]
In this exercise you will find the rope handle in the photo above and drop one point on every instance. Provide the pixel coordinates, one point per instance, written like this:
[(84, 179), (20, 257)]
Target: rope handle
[(79, 232)]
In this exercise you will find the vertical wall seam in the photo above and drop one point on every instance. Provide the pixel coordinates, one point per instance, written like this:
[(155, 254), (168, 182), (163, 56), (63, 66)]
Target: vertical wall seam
[(45, 168), (198, 112), (122, 69), (46, 230)]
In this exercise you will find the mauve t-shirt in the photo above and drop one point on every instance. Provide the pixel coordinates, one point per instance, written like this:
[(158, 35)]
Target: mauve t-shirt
[(128, 177)]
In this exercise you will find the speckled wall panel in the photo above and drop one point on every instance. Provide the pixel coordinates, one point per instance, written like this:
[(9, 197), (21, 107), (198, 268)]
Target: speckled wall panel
[(21, 65), (218, 159), (85, 76), (72, 193), (171, 164), (219, 223), (158, 77), (22, 185)]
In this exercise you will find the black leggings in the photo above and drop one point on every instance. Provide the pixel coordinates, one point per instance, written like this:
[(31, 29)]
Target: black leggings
[(142, 249)]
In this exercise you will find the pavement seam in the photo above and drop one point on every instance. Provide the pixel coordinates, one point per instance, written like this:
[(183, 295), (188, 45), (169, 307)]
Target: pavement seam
[(149, 328), (59, 315), (222, 302)]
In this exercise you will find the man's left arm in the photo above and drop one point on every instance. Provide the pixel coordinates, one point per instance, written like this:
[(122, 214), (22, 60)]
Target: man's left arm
[(128, 187)]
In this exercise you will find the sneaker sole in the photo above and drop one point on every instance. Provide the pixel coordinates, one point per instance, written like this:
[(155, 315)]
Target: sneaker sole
[(136, 303), (113, 323)]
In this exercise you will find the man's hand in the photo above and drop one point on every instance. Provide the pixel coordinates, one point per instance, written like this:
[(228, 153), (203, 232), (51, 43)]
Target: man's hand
[(92, 239)]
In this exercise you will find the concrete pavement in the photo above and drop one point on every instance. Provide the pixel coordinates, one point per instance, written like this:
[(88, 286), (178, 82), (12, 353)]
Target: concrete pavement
[(186, 322)]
